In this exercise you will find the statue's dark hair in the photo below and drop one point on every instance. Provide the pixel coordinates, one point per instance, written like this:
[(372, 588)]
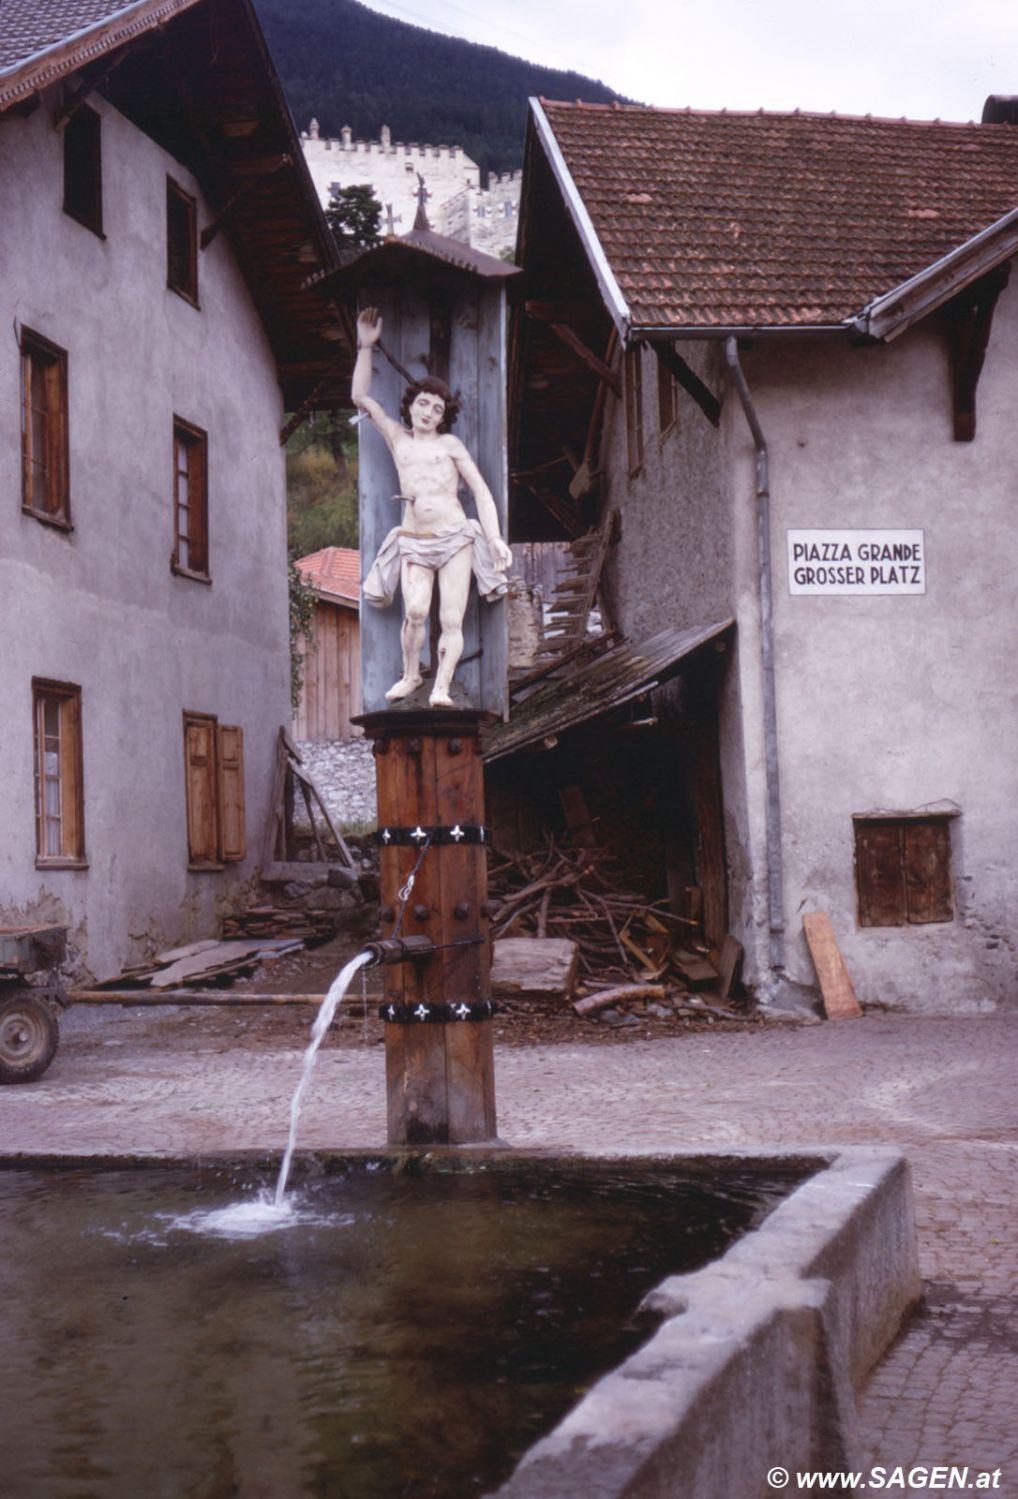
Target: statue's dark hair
[(433, 386)]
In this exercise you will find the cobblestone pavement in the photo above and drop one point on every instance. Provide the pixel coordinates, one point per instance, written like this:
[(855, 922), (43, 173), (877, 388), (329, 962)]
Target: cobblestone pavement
[(942, 1090)]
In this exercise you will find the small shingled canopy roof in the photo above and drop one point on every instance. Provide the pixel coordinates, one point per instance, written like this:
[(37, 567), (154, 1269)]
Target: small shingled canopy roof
[(607, 682)]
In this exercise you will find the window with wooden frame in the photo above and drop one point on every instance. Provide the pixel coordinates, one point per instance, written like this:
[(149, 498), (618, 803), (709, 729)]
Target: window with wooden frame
[(634, 408), (667, 398), (59, 798), (44, 431), (214, 790), (190, 501), (181, 242), (83, 174), (903, 870)]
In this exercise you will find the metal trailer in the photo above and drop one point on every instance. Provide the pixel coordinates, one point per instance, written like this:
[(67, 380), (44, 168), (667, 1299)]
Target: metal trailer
[(29, 1027)]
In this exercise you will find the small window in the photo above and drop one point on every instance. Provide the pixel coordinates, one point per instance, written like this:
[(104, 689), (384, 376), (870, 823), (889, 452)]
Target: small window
[(903, 870), (634, 408), (667, 398), (190, 502), (181, 242), (59, 803), (214, 791), (83, 175), (44, 440)]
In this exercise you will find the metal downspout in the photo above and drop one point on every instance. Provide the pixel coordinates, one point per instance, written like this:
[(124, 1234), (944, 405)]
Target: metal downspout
[(775, 898)]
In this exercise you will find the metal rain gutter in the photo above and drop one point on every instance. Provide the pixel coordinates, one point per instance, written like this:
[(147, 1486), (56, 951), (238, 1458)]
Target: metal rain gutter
[(610, 289), (896, 310), (775, 873), (666, 333)]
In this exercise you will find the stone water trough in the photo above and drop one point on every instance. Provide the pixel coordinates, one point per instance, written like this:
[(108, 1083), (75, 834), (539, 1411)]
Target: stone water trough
[(761, 1357)]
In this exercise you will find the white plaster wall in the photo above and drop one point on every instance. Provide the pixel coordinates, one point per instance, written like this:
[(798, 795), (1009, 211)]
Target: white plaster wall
[(889, 702), (673, 566), (100, 607), (883, 702), (686, 540)]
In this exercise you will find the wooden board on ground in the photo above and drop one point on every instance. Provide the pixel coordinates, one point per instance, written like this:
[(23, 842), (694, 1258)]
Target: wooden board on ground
[(697, 971), (836, 988), (729, 967), (534, 965)]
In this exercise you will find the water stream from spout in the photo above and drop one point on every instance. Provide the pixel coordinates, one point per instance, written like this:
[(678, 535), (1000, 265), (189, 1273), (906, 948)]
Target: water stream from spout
[(330, 1004)]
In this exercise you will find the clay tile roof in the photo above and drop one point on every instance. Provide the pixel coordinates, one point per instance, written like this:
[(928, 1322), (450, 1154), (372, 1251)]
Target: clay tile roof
[(333, 570), (755, 220)]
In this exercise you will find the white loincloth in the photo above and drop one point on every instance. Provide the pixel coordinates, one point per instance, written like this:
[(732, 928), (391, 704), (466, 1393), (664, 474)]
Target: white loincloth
[(432, 550)]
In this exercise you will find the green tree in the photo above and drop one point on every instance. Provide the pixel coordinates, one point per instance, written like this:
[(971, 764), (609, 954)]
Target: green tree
[(354, 215), (321, 484)]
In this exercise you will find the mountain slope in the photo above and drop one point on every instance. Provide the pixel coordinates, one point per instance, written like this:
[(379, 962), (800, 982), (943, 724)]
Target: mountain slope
[(347, 65)]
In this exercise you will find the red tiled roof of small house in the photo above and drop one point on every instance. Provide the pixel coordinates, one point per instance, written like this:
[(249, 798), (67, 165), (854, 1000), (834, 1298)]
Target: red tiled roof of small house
[(335, 571), (710, 220)]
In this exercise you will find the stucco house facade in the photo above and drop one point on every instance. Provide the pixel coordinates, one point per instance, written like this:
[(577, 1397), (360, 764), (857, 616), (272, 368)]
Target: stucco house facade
[(156, 230), (801, 333)]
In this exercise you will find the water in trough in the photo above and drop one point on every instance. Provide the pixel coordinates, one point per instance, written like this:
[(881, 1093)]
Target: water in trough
[(408, 1328)]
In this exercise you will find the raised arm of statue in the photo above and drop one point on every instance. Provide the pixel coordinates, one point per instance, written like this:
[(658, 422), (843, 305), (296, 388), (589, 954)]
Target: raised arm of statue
[(369, 331)]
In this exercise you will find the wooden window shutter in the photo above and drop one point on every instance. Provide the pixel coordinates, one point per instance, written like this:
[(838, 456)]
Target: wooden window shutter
[(927, 864), (201, 780), (44, 430), (198, 482), (181, 242), (83, 194), (231, 792), (57, 444), (879, 875), (71, 799)]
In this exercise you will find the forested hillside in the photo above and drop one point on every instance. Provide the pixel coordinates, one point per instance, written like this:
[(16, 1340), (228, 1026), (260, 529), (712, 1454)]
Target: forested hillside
[(347, 65)]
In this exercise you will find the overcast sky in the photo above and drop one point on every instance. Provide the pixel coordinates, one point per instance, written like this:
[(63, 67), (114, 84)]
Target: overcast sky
[(921, 58)]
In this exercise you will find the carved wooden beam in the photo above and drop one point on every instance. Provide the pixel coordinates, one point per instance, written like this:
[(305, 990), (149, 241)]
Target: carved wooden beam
[(211, 229), (573, 341), (969, 321), (92, 81), (258, 166), (557, 312), (302, 413), (690, 382)]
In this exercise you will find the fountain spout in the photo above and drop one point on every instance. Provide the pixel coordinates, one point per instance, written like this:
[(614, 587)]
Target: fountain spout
[(398, 950)]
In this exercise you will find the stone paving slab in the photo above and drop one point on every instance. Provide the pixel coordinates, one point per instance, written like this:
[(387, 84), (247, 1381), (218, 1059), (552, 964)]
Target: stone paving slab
[(942, 1090)]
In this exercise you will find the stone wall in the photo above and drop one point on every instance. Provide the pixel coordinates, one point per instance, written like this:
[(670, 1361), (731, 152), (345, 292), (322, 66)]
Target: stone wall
[(344, 772)]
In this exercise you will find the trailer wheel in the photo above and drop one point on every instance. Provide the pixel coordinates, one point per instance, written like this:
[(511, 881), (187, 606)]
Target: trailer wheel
[(28, 1037)]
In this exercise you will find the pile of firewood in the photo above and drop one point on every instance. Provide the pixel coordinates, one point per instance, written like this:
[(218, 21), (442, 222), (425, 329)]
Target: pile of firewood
[(622, 937), (307, 923)]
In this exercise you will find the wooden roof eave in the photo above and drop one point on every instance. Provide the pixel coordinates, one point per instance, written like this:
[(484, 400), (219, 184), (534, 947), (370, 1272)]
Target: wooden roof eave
[(327, 596), (609, 287), (50, 64), (298, 323)]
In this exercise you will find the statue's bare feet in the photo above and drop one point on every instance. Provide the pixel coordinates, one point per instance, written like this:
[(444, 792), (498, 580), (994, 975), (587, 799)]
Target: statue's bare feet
[(440, 698), (403, 687)]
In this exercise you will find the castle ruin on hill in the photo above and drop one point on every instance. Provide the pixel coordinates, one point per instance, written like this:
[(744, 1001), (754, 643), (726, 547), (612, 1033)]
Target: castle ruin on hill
[(458, 206)]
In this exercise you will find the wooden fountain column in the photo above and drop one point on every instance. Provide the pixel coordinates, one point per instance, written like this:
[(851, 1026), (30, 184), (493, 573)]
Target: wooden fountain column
[(439, 1054)]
